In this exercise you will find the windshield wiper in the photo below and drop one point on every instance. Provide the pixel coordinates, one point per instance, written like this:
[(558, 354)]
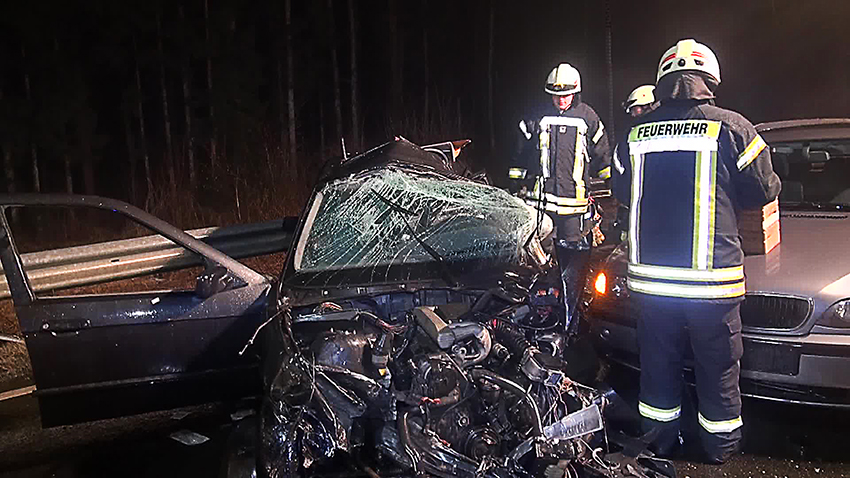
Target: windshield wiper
[(444, 269), (820, 206)]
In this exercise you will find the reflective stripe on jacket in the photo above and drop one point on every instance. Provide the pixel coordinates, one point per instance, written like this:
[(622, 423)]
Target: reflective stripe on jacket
[(567, 149), (684, 171)]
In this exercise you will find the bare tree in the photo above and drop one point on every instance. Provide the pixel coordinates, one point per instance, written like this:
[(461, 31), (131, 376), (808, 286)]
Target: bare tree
[(335, 69), (213, 130), (166, 117), (8, 164), (396, 62), (355, 105), (36, 177), (490, 77), (131, 150), (187, 110), (143, 143), (425, 66), (290, 75)]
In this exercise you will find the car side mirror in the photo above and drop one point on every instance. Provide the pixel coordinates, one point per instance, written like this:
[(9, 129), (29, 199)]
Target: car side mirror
[(214, 280)]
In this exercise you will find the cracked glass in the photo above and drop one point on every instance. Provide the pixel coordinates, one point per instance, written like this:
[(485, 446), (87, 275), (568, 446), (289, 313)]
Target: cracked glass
[(392, 223)]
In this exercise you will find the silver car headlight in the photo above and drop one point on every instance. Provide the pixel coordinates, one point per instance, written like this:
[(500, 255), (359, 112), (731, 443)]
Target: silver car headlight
[(837, 315)]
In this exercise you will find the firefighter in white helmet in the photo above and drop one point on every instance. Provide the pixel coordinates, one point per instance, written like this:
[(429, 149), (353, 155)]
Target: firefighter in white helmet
[(640, 101), (559, 150), (684, 170)]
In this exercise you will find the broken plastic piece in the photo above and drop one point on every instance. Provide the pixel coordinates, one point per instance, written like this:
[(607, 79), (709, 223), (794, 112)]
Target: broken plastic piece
[(576, 424), (188, 437)]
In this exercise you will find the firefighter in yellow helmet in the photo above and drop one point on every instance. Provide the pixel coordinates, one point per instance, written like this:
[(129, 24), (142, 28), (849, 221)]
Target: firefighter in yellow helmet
[(560, 148), (640, 101), (684, 170)]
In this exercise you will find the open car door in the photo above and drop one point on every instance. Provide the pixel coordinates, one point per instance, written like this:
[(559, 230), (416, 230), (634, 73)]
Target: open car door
[(106, 351)]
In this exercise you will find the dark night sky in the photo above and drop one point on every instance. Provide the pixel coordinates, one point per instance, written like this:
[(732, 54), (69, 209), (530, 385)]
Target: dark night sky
[(779, 59)]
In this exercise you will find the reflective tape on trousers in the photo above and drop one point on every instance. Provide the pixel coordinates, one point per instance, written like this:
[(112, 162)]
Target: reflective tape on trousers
[(659, 414), (723, 426)]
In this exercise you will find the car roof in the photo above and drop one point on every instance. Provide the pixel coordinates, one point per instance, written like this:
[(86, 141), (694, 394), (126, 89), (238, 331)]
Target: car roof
[(805, 129)]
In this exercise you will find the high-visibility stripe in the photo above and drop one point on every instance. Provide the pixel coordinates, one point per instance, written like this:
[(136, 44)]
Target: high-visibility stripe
[(687, 291), (617, 163), (599, 131), (578, 164), (560, 210), (634, 209), (524, 128), (702, 209), (723, 426), (726, 274), (712, 207), (605, 173), (517, 173), (543, 145), (675, 129), (579, 123), (663, 145), (659, 414), (751, 152), (557, 200), (695, 241)]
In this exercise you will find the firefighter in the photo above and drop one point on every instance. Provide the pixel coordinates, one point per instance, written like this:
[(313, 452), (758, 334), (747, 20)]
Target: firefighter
[(558, 152), (684, 170), (640, 101)]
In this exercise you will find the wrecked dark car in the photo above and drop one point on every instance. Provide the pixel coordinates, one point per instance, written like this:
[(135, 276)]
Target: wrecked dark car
[(416, 330)]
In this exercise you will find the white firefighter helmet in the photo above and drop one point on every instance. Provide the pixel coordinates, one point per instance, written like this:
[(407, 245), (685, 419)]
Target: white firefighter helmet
[(689, 55), (563, 80), (640, 96)]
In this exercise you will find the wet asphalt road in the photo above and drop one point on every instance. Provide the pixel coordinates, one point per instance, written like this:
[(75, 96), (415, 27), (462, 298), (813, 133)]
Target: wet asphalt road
[(781, 441)]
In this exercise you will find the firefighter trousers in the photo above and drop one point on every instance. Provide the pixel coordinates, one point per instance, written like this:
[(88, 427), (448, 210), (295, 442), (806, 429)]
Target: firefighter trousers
[(713, 328), (573, 251)]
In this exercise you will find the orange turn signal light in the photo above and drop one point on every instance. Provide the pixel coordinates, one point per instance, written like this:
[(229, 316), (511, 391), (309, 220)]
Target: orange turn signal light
[(601, 283)]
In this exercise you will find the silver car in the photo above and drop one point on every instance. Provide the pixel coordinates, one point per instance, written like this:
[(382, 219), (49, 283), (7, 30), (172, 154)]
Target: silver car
[(796, 315)]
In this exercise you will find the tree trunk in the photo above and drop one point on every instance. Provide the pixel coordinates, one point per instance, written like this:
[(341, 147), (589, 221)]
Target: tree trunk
[(290, 76), (187, 111), (166, 118), (490, 77), (213, 130), (143, 140), (335, 70), (9, 168), (8, 165), (69, 178), (396, 63), (131, 152), (426, 73), (281, 102), (610, 64), (355, 106), (36, 178)]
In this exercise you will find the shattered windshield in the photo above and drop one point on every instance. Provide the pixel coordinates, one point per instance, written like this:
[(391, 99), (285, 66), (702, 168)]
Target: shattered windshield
[(395, 224), (814, 173)]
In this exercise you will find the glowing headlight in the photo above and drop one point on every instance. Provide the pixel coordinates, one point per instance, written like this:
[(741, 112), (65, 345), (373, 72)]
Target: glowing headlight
[(600, 285), (837, 315)]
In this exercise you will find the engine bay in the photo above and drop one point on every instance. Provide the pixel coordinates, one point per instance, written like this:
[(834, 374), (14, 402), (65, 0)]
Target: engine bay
[(437, 383)]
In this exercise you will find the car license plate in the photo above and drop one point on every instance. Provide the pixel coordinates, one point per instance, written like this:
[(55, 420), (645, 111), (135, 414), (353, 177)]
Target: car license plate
[(771, 357)]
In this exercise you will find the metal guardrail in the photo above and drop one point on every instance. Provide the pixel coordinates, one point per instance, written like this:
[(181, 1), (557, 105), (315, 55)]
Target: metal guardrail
[(126, 258)]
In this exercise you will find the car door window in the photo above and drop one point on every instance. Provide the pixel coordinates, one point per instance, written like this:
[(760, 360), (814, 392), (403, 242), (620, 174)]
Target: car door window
[(65, 249)]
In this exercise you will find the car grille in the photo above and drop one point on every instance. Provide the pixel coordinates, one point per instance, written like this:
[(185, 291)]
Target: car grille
[(772, 312)]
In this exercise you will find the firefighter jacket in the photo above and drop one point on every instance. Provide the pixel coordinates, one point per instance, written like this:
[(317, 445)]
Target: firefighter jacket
[(557, 155), (684, 170)]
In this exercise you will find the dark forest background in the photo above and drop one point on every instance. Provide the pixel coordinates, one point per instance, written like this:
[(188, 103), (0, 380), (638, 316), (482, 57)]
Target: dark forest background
[(218, 111)]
